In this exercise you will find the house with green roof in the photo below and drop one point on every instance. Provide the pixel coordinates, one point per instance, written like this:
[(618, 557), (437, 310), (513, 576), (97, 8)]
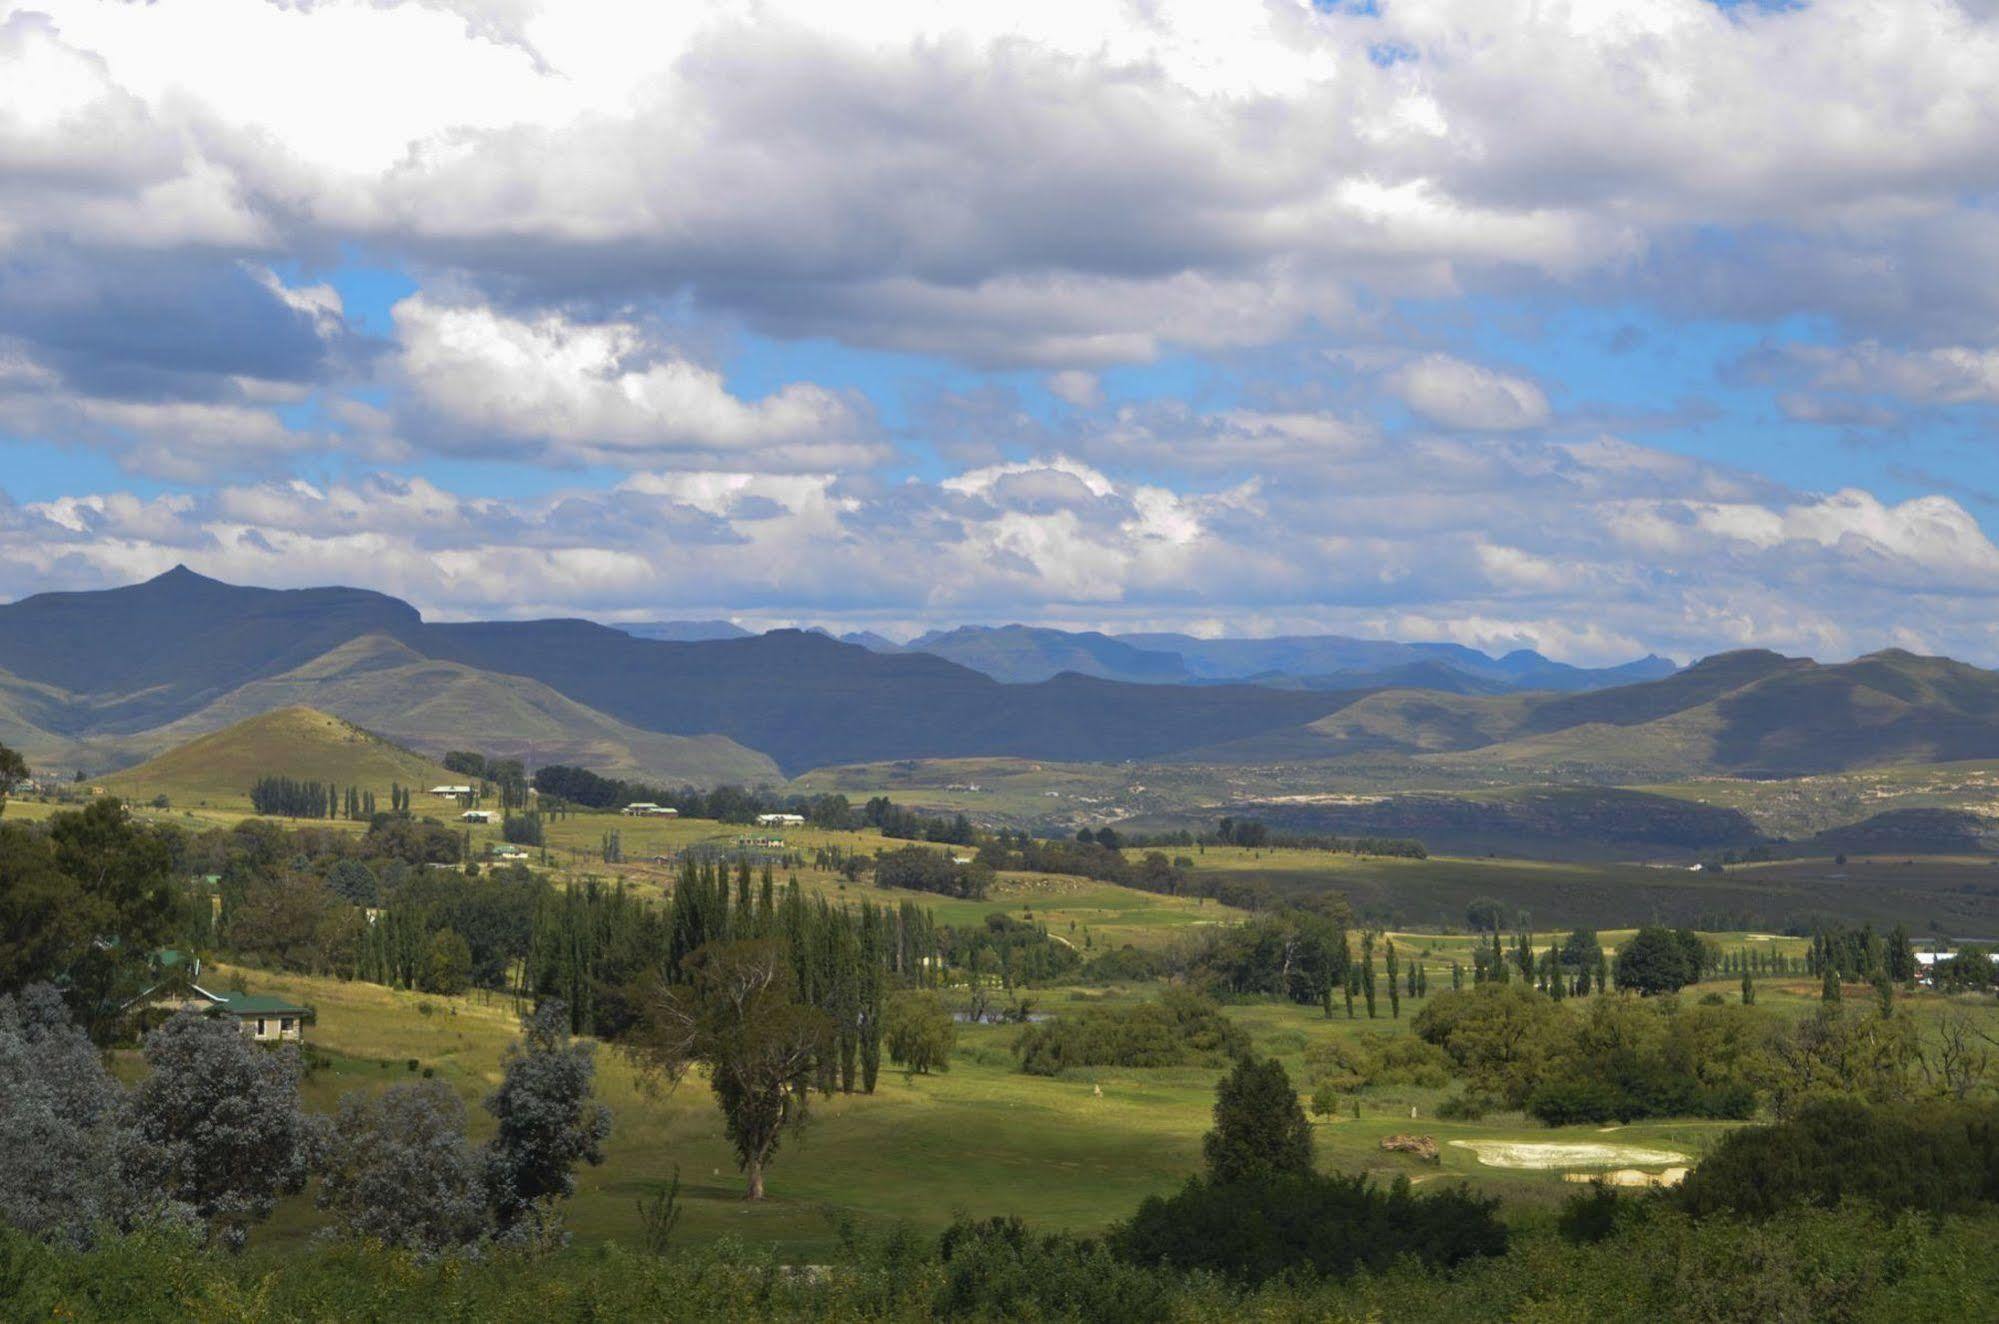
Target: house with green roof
[(260, 1016)]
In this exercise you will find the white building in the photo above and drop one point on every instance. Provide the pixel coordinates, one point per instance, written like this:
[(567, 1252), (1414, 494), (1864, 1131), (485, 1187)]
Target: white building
[(1927, 963), (647, 809), (780, 820), (451, 790), (477, 816)]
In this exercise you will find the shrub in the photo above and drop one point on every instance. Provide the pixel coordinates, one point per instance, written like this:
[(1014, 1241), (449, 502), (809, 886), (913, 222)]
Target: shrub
[(1180, 1029), (1590, 1215), (1469, 1106), (1933, 1158), (1331, 1225), (996, 1268), (1379, 1059)]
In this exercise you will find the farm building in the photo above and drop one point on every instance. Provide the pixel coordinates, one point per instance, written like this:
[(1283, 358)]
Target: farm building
[(647, 809), (451, 790), (477, 816), (1927, 963), (260, 1017), (780, 820)]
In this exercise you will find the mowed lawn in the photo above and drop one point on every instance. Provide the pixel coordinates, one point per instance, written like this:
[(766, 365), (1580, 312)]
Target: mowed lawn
[(981, 1139)]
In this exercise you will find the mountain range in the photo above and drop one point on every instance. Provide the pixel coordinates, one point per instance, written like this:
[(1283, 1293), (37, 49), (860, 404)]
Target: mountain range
[(103, 679), (1024, 654)]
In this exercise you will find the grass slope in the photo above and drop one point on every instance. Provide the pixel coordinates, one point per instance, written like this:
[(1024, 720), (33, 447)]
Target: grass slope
[(982, 1138), (385, 686), (218, 769)]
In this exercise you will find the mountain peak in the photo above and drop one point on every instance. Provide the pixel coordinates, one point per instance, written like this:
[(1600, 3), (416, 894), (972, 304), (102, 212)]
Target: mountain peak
[(180, 576)]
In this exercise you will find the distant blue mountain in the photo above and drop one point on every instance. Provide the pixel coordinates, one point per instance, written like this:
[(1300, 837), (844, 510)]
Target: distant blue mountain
[(686, 632), (1021, 654)]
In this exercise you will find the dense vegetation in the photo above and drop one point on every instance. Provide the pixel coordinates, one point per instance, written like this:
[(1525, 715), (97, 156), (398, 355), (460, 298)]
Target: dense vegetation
[(1180, 1029)]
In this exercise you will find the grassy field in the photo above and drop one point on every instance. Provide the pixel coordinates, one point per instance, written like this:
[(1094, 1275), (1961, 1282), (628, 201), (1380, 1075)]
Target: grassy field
[(981, 1139)]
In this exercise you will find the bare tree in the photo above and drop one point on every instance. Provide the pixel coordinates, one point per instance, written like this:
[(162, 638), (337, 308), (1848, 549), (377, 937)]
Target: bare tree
[(1959, 1058)]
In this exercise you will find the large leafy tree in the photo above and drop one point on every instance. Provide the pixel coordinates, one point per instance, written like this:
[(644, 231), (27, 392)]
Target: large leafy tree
[(216, 1128), (1659, 960), (740, 1015), (1260, 1129), (921, 1033), (83, 900), (397, 1169), (61, 1124), (549, 1121), (1502, 1035)]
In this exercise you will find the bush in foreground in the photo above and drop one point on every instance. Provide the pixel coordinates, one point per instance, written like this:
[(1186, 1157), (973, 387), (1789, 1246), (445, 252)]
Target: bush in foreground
[(1934, 1158), (1331, 1226), (1805, 1264)]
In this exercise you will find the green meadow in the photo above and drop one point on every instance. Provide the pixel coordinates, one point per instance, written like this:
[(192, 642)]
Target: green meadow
[(1077, 1151)]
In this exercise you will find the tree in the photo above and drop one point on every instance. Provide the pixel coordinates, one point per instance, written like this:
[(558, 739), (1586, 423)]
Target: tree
[(217, 1127), (61, 1124), (1580, 950), (1394, 985), (397, 1169), (276, 923), (1367, 971), (920, 1032), (449, 968), (1485, 915), (13, 768), (549, 1121), (1260, 1131), (354, 882), (1502, 1035), (1748, 988), (1970, 968), (741, 1016), (1659, 960), (82, 902)]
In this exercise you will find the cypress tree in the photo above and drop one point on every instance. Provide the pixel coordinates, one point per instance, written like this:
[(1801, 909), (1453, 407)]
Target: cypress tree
[(1748, 988), (1394, 984), (1367, 971)]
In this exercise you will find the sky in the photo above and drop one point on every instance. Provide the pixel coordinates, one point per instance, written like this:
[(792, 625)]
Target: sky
[(1602, 327)]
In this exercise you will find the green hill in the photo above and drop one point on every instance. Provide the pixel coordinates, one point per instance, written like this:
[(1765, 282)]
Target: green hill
[(218, 769), (383, 685)]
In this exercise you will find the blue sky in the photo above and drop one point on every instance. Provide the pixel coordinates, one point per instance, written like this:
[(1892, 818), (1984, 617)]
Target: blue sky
[(1637, 325)]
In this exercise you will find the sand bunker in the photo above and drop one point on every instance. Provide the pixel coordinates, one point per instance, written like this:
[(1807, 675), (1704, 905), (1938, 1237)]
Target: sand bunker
[(1553, 1154), (1630, 1177)]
